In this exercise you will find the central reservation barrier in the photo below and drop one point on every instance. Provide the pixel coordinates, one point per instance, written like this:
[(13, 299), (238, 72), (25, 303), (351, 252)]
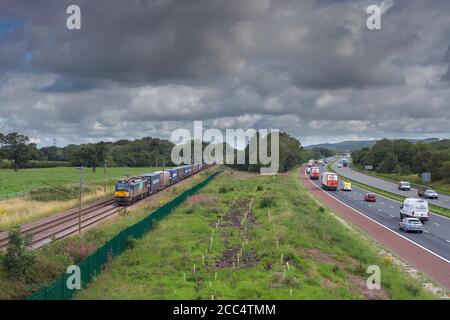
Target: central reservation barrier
[(93, 264)]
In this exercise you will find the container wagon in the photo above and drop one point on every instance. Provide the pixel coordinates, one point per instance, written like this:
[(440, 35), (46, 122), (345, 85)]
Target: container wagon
[(154, 181)]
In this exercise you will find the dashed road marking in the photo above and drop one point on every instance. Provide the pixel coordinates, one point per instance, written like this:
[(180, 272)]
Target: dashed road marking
[(436, 223), (392, 216), (426, 231)]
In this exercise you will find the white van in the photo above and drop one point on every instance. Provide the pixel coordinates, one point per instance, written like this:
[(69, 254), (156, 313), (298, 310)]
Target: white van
[(414, 208)]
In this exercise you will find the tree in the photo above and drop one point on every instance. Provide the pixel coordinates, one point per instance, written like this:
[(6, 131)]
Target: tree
[(92, 155), (16, 148), (389, 164), (19, 259)]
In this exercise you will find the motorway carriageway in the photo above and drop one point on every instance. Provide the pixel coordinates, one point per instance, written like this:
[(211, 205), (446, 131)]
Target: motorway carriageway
[(431, 254), (443, 201)]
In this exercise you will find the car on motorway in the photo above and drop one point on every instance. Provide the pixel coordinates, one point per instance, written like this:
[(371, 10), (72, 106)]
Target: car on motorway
[(370, 197), (427, 193), (308, 170), (411, 224), (339, 165), (414, 208), (346, 186), (404, 186)]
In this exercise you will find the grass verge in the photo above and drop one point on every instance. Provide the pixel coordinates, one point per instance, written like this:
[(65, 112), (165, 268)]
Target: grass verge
[(248, 238)]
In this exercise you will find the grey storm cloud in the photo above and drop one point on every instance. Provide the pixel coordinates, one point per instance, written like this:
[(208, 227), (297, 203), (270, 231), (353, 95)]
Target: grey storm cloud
[(147, 67)]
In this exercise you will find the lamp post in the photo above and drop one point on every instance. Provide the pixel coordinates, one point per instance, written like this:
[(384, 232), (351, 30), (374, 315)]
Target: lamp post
[(79, 200)]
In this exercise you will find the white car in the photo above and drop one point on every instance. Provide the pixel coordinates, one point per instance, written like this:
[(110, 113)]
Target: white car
[(411, 224)]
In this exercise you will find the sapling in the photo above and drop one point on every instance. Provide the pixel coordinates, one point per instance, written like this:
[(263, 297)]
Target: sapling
[(287, 265), (281, 260)]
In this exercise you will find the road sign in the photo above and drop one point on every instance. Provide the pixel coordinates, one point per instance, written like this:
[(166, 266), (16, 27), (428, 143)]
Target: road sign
[(426, 177), (367, 167)]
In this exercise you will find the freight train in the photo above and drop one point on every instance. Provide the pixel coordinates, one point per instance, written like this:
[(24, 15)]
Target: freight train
[(130, 190)]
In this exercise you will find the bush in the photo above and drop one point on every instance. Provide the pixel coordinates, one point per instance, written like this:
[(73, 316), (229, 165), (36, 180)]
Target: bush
[(259, 188), (57, 193), (131, 242), (267, 202), (78, 251), (223, 189), (19, 259)]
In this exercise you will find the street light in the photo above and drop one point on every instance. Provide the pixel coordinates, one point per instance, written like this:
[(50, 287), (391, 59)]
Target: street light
[(79, 200)]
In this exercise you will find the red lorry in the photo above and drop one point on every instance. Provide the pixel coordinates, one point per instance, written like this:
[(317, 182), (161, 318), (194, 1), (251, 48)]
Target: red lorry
[(330, 181), (315, 173)]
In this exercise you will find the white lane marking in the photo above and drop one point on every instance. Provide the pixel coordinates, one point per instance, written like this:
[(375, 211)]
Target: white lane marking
[(436, 223), (448, 241), (392, 207), (379, 210), (435, 214), (426, 231), (392, 216), (381, 225)]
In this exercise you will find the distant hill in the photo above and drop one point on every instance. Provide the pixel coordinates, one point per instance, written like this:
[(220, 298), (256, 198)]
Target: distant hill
[(355, 145)]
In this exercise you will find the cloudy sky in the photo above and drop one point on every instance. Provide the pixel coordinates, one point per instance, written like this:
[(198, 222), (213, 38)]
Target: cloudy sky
[(144, 68)]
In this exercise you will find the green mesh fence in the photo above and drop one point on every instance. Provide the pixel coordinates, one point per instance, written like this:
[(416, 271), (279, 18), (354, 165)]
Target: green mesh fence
[(93, 264)]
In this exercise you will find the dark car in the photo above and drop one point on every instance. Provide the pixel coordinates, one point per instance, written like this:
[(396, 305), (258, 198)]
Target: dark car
[(427, 193), (370, 197)]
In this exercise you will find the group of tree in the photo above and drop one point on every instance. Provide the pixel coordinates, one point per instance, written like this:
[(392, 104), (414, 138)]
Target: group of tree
[(404, 157), (291, 154), (140, 152), (147, 151)]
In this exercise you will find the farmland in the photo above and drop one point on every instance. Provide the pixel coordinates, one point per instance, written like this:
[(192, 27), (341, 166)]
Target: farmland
[(28, 179), (245, 237)]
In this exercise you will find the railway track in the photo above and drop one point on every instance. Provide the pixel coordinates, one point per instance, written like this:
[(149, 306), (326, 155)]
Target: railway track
[(66, 223)]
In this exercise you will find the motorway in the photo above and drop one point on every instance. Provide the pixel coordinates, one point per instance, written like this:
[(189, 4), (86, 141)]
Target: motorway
[(432, 249), (436, 236), (443, 201)]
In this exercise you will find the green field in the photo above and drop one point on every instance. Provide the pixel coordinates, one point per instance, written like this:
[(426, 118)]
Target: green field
[(28, 179), (245, 237)]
